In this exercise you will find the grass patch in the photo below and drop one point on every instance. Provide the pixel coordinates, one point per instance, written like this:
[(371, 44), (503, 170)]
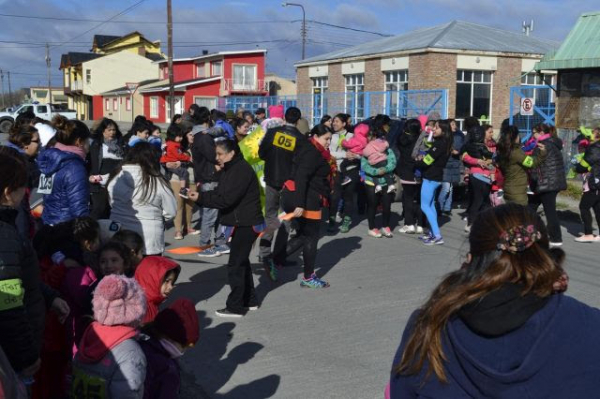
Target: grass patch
[(561, 205), (574, 190)]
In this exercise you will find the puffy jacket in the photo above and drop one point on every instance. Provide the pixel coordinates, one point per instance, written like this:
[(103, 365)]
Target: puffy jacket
[(376, 151), (371, 172), (204, 154), (151, 273), (277, 149), (550, 175), (173, 153), (452, 171), (358, 141), (591, 163), (65, 182), (515, 171), (435, 160), (22, 308), (237, 195), (162, 374), (311, 177), (406, 164)]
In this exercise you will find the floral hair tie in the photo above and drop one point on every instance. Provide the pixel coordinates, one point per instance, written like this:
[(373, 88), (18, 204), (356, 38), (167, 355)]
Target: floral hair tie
[(518, 238)]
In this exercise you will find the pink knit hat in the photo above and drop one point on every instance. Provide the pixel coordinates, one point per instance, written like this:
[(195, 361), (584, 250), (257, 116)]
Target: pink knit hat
[(276, 111), (119, 300)]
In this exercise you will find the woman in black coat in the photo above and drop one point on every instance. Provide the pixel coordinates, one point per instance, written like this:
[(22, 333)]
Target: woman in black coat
[(548, 179), (237, 197)]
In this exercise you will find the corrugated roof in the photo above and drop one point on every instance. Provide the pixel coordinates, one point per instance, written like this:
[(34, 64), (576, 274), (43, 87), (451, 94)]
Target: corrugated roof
[(455, 35), (581, 48)]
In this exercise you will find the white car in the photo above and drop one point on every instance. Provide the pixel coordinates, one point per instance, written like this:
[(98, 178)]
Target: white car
[(44, 111)]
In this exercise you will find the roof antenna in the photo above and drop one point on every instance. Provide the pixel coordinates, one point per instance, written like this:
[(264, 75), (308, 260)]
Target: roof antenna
[(527, 28)]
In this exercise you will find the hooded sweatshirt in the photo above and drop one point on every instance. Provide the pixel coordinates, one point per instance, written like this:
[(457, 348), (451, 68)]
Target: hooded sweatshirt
[(553, 354), (109, 361), (150, 274)]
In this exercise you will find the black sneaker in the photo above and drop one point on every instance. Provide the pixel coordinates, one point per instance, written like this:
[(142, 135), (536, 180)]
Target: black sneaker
[(228, 313)]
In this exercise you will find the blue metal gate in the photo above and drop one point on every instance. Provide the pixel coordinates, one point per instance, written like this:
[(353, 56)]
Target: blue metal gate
[(544, 108)]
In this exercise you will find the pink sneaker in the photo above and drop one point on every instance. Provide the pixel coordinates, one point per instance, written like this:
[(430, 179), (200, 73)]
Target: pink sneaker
[(375, 233), (387, 232)]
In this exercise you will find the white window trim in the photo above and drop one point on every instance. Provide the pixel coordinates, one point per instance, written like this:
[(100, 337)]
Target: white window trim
[(107, 104), (472, 83), (197, 72), (355, 115), (115, 104), (212, 67), (128, 103), (153, 113), (255, 66)]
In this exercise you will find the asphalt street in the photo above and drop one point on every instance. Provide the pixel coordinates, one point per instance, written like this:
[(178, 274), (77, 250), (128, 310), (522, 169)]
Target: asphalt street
[(332, 343)]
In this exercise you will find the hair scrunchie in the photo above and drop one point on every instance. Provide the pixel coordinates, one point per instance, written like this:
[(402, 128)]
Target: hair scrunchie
[(518, 238)]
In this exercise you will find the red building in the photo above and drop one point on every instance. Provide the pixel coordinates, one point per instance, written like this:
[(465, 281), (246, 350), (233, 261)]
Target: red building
[(202, 80)]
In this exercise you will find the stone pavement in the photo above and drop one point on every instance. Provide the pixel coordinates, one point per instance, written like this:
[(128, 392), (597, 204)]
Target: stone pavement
[(332, 343)]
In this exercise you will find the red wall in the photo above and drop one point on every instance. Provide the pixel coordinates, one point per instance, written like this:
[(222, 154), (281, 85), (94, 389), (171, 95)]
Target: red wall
[(255, 58), (183, 70), (205, 90), (98, 107)]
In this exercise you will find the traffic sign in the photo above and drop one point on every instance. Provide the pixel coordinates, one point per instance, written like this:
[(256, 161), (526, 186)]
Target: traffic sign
[(527, 105)]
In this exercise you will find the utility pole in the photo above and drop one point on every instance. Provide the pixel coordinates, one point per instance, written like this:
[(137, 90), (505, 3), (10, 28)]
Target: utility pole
[(10, 97), (170, 62), (2, 79), (527, 28), (49, 74), (303, 30)]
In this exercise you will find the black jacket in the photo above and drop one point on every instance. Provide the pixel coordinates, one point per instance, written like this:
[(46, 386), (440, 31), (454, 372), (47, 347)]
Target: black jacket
[(434, 162), (204, 155), (237, 196), (22, 308), (406, 164), (99, 165), (310, 173), (550, 175), (591, 163), (277, 149), (453, 169)]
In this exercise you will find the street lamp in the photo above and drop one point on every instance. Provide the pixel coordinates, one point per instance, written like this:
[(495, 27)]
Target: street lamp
[(303, 33)]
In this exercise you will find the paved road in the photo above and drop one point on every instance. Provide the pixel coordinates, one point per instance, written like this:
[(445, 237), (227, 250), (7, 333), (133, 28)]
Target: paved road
[(334, 343)]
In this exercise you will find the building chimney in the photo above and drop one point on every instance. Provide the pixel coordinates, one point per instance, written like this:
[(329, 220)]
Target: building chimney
[(204, 52)]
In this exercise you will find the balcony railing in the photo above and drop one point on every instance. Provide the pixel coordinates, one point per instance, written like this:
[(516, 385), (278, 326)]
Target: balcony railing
[(232, 85), (77, 85)]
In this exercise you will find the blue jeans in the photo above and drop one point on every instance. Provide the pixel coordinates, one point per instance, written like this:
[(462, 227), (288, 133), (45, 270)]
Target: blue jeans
[(209, 217), (445, 197), (428, 189)]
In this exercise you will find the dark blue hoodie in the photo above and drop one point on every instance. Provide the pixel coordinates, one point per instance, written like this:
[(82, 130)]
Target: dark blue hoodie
[(555, 354), (64, 178)]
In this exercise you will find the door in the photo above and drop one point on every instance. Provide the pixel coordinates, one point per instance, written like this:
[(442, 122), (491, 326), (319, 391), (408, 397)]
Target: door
[(178, 106)]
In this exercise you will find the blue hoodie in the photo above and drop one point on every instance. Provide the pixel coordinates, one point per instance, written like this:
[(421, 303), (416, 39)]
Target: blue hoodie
[(64, 183), (555, 354)]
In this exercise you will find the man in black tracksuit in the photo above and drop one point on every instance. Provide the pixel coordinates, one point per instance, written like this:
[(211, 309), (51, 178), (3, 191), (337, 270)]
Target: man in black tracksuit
[(277, 149)]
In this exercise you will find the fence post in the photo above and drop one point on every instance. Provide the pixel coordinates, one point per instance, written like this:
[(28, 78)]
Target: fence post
[(367, 105)]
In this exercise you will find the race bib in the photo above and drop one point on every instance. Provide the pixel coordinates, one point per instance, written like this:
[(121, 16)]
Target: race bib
[(11, 293), (87, 386), (46, 183), (284, 141)]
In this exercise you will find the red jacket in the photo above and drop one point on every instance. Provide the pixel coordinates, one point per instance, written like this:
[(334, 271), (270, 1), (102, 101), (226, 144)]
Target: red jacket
[(150, 274), (173, 153)]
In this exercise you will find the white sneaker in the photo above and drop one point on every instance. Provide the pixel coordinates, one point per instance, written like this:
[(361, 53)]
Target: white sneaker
[(555, 244), (375, 233), (407, 229), (391, 188), (339, 218), (378, 188), (420, 230)]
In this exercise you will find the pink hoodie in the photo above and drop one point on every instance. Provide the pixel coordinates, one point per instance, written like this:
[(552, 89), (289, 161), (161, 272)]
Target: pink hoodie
[(376, 151), (358, 142)]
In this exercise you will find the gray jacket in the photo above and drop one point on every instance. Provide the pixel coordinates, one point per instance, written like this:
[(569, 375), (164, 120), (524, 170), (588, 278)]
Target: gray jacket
[(120, 374)]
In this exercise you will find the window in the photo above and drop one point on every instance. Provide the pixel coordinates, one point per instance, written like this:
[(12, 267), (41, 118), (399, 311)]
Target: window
[(42, 109), (319, 98), (395, 82), (165, 72), (106, 104), (216, 68), (200, 70), (355, 96), (473, 95), (542, 96), (153, 107), (244, 77), (128, 104), (88, 76), (115, 104), (208, 102)]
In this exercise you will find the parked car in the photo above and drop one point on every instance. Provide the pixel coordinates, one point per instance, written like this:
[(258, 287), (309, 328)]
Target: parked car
[(44, 111)]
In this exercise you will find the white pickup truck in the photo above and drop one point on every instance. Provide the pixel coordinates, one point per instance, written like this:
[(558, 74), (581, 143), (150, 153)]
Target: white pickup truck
[(44, 111)]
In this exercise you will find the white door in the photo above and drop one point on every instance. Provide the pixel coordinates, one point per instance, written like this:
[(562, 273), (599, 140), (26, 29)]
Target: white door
[(178, 106)]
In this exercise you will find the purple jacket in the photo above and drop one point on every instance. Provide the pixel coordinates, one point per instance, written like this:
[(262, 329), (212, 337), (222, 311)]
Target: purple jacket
[(162, 372)]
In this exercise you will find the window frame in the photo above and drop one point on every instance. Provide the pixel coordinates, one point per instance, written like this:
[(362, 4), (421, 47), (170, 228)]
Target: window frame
[(88, 76), (244, 86), (399, 78), (358, 112), (115, 104), (201, 66), (128, 103), (213, 68), (461, 79), (153, 109)]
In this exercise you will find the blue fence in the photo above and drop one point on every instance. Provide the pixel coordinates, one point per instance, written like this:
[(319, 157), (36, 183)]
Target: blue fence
[(360, 105), (544, 107)]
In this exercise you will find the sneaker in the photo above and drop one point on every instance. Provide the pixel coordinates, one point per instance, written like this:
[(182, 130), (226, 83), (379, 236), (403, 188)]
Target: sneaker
[(178, 236), (252, 308), (193, 232), (391, 188), (374, 233), (209, 253), (407, 229), (346, 181), (426, 236), (420, 230), (270, 269), (183, 193), (386, 232), (339, 217), (378, 189), (228, 313), (555, 244), (345, 227), (222, 249), (313, 282), (434, 241), (467, 228), (588, 238)]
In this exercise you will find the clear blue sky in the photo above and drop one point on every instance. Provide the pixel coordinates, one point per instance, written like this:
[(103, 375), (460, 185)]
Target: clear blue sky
[(230, 22)]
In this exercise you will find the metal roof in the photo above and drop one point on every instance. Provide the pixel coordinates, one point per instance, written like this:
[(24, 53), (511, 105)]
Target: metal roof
[(455, 35), (581, 48), (72, 59), (177, 85), (101, 40), (125, 89)]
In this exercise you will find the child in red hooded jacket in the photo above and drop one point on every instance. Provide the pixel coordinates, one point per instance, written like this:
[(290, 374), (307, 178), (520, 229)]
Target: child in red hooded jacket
[(156, 275)]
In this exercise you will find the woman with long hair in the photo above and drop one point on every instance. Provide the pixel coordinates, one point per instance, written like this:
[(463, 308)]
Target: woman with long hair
[(241, 127), (339, 134), (432, 170), (340, 124), (515, 164), (141, 198), (500, 326), (238, 199), (106, 153), (411, 186)]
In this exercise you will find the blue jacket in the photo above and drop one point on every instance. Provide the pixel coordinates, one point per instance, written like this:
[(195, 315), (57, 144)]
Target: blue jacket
[(553, 355), (65, 179)]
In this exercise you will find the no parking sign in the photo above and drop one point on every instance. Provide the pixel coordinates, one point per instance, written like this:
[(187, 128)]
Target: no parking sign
[(527, 105)]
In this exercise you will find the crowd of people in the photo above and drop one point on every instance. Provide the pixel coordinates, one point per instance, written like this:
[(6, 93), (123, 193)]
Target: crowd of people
[(81, 287)]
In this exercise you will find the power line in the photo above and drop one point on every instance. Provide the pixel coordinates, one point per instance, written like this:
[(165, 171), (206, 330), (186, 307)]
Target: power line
[(348, 28)]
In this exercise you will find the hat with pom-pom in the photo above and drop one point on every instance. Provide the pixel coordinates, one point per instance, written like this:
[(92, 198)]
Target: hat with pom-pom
[(179, 322), (276, 111), (119, 300)]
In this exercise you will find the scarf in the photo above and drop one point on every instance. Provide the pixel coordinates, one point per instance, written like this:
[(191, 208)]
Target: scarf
[(114, 147), (73, 149), (328, 158)]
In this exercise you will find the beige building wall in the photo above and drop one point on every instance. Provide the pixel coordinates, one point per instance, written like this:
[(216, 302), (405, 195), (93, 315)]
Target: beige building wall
[(122, 114), (279, 86)]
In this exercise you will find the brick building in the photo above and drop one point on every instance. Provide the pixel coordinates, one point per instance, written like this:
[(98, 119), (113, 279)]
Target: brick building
[(476, 64)]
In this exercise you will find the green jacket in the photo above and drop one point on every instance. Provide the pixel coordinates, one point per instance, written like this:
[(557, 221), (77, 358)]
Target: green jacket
[(371, 173), (515, 174)]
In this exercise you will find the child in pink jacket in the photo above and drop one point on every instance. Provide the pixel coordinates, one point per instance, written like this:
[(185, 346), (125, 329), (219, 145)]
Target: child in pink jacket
[(376, 154), (356, 144)]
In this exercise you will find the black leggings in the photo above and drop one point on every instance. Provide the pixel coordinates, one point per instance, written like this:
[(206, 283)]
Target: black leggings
[(590, 200), (372, 203), (336, 195), (307, 238), (548, 201), (479, 193), (239, 273), (349, 189), (411, 204)]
